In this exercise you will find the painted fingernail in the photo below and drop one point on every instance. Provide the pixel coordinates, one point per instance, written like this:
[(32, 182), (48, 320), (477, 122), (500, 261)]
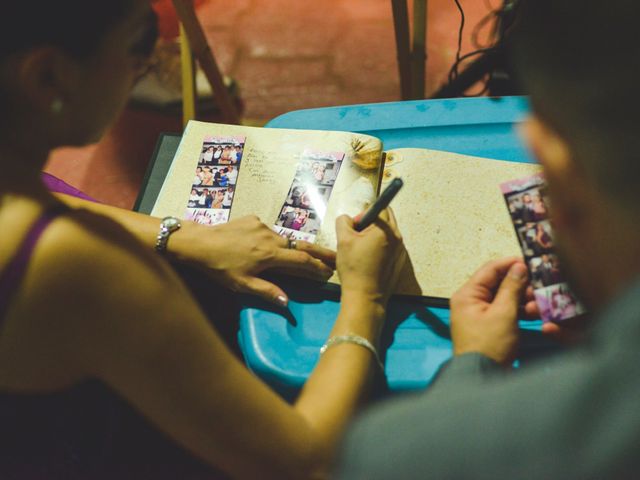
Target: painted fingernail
[(518, 271), (282, 300)]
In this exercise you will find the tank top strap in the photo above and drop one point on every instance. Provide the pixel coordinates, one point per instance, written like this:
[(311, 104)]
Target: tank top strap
[(11, 277)]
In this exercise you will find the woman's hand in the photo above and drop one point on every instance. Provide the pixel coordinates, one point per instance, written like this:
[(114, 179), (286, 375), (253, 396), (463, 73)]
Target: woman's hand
[(237, 252), (369, 262)]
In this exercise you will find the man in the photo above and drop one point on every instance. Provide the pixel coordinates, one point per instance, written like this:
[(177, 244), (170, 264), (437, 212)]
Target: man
[(232, 174), (546, 273), (575, 415), (289, 216), (228, 198), (527, 213)]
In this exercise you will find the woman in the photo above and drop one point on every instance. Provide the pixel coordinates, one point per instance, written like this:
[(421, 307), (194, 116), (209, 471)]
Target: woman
[(300, 220), (208, 176), (544, 243), (318, 171), (222, 179), (96, 327), (225, 155), (219, 198)]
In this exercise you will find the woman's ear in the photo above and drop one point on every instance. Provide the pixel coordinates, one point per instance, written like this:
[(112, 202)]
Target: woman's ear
[(47, 79)]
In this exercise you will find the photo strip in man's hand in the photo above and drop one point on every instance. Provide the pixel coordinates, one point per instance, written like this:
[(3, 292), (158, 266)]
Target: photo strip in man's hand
[(528, 207)]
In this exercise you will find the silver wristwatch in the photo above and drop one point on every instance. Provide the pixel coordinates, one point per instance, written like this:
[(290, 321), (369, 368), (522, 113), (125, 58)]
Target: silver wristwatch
[(168, 225)]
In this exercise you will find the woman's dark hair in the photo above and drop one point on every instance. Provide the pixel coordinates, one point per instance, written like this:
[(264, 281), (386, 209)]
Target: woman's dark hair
[(76, 26)]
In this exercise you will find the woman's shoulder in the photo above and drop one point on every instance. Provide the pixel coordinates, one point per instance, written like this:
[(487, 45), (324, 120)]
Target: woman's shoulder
[(90, 284), (87, 270), (91, 253)]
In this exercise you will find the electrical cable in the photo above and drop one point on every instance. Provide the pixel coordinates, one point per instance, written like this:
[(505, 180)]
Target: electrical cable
[(493, 14), (453, 73)]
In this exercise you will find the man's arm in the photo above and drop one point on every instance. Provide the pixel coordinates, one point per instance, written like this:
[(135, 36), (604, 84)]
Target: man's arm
[(560, 419), (484, 327)]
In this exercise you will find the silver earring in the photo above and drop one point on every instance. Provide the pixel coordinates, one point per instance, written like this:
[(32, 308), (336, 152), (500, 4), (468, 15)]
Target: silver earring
[(56, 106)]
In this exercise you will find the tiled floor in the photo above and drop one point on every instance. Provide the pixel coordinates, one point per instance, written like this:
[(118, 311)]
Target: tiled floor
[(285, 55)]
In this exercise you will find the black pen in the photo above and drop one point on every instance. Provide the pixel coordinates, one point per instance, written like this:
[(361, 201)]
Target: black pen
[(380, 204)]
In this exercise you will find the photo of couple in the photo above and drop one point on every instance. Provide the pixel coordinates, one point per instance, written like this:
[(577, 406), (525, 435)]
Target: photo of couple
[(320, 172), (299, 219)]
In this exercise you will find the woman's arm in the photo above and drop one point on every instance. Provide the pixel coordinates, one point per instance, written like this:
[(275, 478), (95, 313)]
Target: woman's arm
[(142, 334), (235, 253)]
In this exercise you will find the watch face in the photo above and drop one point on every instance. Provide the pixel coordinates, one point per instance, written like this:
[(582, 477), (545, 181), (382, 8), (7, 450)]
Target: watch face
[(171, 222)]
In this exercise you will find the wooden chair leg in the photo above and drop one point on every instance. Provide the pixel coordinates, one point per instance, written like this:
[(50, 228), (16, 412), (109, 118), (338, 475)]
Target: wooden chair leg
[(418, 49), (188, 79), (401, 28), (203, 53)]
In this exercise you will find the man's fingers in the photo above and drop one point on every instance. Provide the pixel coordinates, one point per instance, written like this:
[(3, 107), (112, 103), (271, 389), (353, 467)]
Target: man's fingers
[(511, 289), (263, 289), (531, 309), (491, 273)]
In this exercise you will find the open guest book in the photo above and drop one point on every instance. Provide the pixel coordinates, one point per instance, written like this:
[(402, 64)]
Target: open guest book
[(451, 210)]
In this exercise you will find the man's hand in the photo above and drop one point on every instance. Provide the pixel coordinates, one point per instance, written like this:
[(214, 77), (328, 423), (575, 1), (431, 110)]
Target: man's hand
[(484, 311), (237, 252), (568, 332)]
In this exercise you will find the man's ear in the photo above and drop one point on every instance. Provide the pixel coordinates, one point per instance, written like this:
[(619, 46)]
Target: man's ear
[(549, 148), (46, 76), (567, 185)]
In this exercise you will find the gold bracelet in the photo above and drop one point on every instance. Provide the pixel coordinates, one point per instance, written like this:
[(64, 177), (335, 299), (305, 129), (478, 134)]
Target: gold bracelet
[(356, 340)]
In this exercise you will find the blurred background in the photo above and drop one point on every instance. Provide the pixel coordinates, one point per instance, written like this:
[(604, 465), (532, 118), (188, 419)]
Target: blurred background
[(279, 56)]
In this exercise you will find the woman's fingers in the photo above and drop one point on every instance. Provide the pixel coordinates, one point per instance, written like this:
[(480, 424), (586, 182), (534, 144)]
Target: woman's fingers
[(263, 289), (299, 262), (324, 254)]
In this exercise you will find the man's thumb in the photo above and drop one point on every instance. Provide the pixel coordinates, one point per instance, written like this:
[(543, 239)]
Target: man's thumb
[(512, 287)]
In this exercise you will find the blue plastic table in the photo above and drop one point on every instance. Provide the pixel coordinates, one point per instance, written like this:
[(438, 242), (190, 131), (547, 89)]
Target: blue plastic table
[(282, 346)]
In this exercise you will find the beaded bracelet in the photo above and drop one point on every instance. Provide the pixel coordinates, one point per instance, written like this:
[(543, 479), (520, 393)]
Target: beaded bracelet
[(356, 340)]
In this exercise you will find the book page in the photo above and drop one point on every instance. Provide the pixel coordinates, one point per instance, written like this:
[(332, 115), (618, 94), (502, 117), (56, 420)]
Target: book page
[(266, 169), (452, 216)]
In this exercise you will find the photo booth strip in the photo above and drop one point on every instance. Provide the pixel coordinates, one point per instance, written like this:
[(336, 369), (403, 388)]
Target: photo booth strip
[(215, 179), (304, 209), (528, 207)]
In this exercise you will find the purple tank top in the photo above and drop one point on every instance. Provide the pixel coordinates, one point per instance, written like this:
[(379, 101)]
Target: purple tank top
[(11, 277)]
